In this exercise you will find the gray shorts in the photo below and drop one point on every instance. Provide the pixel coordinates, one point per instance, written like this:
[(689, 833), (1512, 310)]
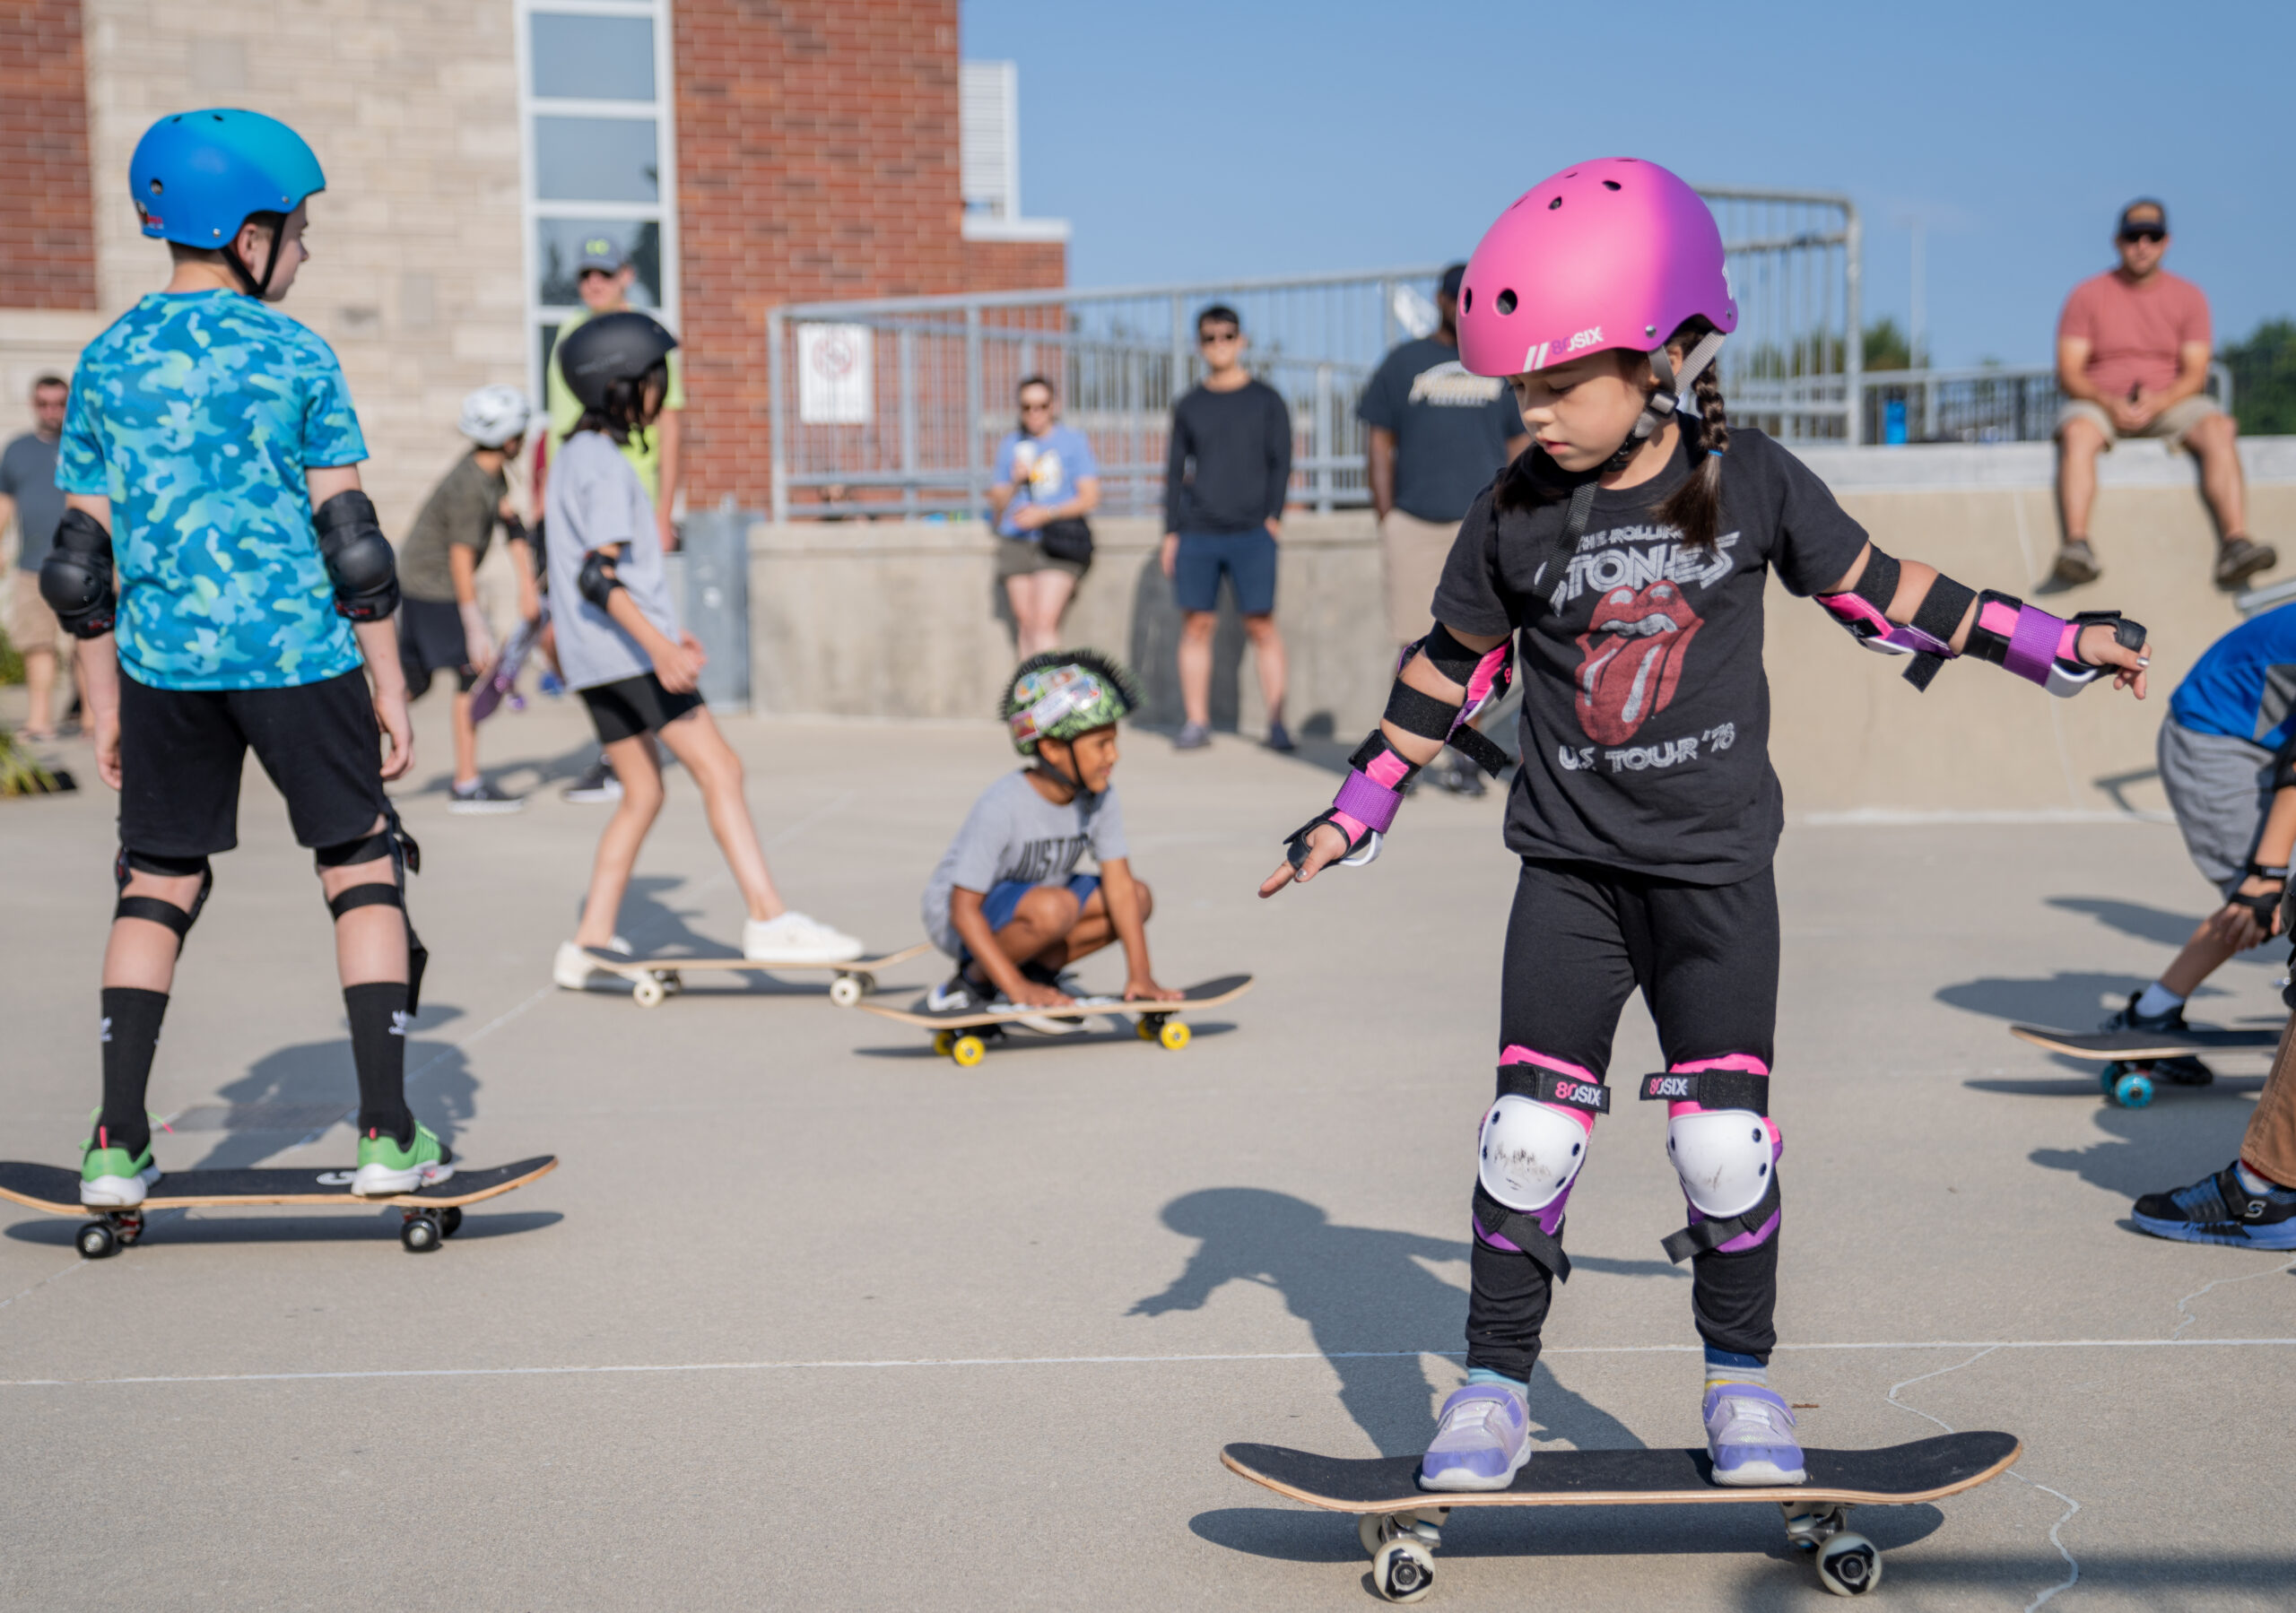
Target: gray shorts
[(1018, 557), (2219, 788)]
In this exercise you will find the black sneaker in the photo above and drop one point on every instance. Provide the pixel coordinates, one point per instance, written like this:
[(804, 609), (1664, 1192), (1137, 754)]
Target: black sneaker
[(599, 784), (480, 796), (1279, 738), (2240, 559), (2221, 1210), (2184, 1071)]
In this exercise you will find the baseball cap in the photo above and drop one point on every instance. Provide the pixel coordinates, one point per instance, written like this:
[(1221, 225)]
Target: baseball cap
[(601, 252), (1449, 285), (2127, 224)]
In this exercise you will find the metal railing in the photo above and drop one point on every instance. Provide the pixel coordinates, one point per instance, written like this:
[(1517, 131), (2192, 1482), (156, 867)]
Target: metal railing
[(1990, 404), (894, 406)]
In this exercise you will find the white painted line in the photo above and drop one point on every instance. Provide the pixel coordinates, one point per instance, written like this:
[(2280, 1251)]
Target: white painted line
[(1909, 818), (1295, 1355)]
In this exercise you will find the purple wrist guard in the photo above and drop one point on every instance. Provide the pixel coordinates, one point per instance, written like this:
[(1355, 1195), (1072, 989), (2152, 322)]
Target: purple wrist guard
[(1366, 800)]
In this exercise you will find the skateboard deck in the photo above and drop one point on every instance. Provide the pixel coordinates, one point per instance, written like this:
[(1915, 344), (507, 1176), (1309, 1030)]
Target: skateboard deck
[(654, 979), (432, 1213), (964, 1033), (503, 676), (1401, 1524), (2129, 1056)]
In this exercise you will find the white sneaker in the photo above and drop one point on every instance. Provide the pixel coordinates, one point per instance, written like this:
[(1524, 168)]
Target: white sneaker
[(573, 970), (793, 938)]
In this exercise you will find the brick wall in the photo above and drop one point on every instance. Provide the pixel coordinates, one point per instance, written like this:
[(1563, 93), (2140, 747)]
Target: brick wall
[(817, 158), (45, 229)]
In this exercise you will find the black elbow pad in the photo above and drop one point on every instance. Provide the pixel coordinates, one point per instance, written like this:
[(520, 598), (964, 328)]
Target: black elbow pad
[(358, 559), (75, 578), (597, 580)]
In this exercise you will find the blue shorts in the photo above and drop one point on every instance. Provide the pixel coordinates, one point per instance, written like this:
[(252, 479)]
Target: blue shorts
[(1004, 898), (1248, 558)]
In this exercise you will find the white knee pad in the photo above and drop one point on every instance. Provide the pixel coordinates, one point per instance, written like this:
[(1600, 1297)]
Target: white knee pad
[(1724, 1157), (1530, 1152)]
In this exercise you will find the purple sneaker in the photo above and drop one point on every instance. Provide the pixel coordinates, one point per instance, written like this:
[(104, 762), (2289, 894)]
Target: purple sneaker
[(1749, 1435), (1481, 1440)]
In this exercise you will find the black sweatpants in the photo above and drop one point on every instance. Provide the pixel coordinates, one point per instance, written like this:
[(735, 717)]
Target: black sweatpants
[(1581, 939)]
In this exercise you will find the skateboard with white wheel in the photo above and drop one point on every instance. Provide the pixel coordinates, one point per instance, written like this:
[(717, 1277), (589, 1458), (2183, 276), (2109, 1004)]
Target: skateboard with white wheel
[(1400, 1525), (431, 1215), (654, 980), (966, 1035), (2130, 1077)]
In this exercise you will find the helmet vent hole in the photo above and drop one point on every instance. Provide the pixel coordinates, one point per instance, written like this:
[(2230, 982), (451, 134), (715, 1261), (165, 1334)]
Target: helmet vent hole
[(1467, 300), (156, 188), (1551, 206), (1506, 302), (1610, 185)]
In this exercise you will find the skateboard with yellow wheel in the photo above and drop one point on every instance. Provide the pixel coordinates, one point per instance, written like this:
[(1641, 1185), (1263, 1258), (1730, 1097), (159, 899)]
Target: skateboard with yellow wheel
[(966, 1035)]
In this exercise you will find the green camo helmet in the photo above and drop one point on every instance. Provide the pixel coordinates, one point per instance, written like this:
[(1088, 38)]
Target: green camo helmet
[(1062, 693)]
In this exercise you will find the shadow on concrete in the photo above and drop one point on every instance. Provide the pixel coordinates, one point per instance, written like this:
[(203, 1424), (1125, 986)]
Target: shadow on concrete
[(1612, 1267), (2071, 1000), (1751, 1529), (522, 776), (2153, 924), (286, 1097), (2173, 1142), (1359, 1288), (285, 1226)]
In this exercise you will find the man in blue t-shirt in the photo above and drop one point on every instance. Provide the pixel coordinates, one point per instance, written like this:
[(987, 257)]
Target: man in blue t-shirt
[(210, 463)]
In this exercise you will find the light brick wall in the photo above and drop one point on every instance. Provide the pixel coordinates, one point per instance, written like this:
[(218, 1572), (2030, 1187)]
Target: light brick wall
[(417, 271), (45, 230)]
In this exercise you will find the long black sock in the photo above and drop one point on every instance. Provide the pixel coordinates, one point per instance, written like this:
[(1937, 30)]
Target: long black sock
[(377, 1014), (131, 1033)]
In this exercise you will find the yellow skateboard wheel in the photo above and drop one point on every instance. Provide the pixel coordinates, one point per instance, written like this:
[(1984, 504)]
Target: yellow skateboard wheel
[(969, 1051), (1174, 1034), (1146, 1030), (943, 1040)]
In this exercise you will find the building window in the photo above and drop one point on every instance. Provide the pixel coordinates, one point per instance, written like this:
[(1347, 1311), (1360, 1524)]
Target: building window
[(598, 154)]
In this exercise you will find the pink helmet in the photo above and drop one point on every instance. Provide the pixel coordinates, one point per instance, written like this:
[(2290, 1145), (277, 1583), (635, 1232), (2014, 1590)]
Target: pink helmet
[(1615, 252)]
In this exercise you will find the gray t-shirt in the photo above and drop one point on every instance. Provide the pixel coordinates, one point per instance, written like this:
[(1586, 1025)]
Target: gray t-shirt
[(596, 500), (1013, 833), (28, 475)]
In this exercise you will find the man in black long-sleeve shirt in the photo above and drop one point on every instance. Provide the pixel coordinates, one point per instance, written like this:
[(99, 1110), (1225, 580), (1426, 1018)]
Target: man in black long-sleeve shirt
[(1223, 511)]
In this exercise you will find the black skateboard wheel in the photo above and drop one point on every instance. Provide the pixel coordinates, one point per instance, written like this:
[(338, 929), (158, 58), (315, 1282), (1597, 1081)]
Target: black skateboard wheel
[(450, 1220), (420, 1236), (97, 1241)]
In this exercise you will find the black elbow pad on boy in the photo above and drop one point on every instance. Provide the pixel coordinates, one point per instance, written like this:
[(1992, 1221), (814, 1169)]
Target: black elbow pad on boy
[(75, 578), (596, 579), (358, 559)]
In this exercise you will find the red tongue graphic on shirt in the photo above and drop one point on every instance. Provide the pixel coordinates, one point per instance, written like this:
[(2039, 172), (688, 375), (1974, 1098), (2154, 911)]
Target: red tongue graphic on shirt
[(1632, 657)]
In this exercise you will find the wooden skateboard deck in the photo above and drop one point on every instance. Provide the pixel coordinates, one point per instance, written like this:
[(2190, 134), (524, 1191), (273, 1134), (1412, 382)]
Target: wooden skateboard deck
[(964, 1033), (435, 1211), (654, 979), (1401, 1524), (2130, 1056)]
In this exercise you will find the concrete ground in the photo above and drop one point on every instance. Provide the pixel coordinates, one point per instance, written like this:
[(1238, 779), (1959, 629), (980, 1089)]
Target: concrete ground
[(809, 1318)]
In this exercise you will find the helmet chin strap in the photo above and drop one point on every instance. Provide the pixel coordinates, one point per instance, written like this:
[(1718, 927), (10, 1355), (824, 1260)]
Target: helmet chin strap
[(1663, 402), (254, 287)]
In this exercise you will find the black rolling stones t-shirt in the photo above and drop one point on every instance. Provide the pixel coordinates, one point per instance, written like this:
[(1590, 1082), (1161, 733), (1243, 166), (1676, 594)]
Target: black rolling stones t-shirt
[(1646, 714)]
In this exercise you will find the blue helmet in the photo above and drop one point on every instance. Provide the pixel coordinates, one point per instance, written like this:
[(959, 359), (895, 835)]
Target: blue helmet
[(196, 176)]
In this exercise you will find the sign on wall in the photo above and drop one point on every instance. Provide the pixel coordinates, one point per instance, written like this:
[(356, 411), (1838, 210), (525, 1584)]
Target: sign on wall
[(834, 375)]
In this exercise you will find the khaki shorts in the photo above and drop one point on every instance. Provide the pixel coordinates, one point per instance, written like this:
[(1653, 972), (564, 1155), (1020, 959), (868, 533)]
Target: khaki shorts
[(2169, 425), (1412, 552), (31, 625), (1017, 556)]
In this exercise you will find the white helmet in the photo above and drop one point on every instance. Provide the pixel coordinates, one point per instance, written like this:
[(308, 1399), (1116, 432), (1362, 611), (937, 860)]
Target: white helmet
[(493, 415)]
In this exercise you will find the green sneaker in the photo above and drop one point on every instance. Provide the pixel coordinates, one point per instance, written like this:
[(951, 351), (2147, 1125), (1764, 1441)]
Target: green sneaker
[(386, 1168), (113, 1178)]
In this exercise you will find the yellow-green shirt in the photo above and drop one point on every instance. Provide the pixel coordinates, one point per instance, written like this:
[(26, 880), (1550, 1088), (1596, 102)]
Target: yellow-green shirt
[(566, 410)]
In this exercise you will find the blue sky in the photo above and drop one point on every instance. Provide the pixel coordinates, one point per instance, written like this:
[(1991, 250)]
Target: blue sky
[(1189, 140)]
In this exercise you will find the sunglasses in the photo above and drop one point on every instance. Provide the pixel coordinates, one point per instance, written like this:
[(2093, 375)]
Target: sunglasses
[(1043, 408), (1211, 338), (2145, 232)]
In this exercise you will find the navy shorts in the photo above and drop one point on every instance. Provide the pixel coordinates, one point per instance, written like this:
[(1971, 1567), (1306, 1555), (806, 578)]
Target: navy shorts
[(1248, 558), (1004, 898)]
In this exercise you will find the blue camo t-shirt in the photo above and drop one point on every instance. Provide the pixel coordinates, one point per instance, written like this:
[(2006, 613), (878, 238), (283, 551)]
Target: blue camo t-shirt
[(2244, 685), (197, 414)]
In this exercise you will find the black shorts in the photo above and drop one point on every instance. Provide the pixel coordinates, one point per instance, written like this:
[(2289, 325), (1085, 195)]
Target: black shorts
[(431, 641), (629, 706), (181, 752)]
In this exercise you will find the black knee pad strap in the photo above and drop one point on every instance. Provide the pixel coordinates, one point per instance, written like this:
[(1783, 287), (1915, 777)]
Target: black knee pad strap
[(391, 840), (1710, 1089), (1702, 1237), (1526, 1234), (151, 908)]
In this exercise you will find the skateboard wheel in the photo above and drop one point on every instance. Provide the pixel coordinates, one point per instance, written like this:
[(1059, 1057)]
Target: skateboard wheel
[(1174, 1034), (943, 1040), (1402, 1570), (96, 1240), (868, 984), (1848, 1566), (419, 1235), (967, 1050), (1146, 1031), (647, 992), (2133, 1090), (845, 990), (672, 982), (2108, 1076), (1371, 1530), (450, 1220)]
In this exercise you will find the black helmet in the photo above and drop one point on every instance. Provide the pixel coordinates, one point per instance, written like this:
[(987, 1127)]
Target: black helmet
[(610, 348)]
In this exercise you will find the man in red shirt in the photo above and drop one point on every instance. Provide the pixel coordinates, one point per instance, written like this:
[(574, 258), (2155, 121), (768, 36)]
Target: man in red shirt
[(2131, 359)]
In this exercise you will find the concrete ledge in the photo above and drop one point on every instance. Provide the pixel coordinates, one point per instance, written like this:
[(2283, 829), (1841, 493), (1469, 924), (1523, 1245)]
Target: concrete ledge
[(1965, 466)]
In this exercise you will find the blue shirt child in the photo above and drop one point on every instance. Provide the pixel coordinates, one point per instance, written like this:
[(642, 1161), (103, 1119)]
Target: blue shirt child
[(1042, 470), (197, 414), (2244, 685)]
